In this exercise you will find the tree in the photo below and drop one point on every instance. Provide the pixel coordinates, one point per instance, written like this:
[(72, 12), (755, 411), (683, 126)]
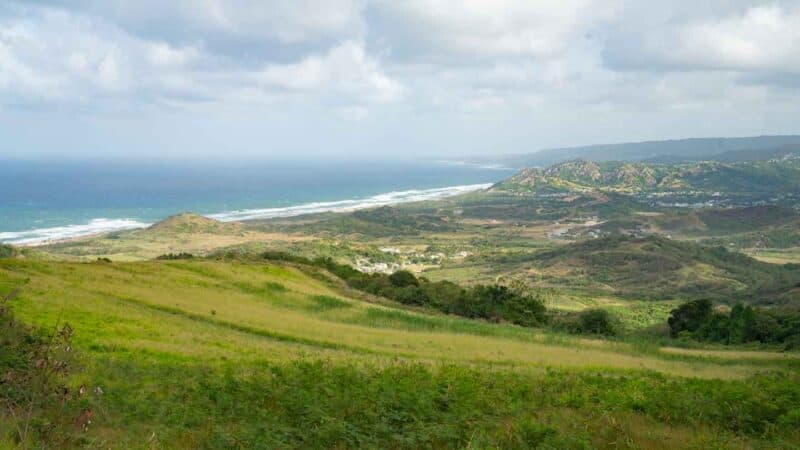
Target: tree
[(596, 321), (403, 278), (689, 317)]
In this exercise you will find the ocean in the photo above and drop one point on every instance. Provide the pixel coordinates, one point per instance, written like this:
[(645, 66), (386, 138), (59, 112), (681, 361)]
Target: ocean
[(45, 201)]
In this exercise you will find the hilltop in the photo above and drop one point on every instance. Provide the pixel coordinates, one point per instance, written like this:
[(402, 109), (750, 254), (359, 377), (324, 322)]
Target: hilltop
[(193, 223), (750, 178), (669, 150)]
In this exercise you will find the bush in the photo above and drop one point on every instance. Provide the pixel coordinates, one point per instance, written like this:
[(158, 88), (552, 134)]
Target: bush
[(403, 278), (33, 372), (7, 251), (596, 321), (689, 317), (175, 256)]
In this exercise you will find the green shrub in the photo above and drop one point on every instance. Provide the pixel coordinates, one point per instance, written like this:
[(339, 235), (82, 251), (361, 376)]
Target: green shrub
[(689, 317), (7, 251), (596, 321), (34, 369)]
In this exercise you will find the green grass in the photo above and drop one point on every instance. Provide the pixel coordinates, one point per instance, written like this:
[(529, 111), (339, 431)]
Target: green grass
[(205, 354)]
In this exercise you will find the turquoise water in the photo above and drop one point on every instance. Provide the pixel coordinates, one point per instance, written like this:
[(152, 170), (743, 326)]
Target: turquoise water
[(42, 201)]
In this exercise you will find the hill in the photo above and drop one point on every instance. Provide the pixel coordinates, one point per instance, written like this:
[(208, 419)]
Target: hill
[(668, 150), (659, 268), (182, 233), (191, 223), (751, 178), (207, 354)]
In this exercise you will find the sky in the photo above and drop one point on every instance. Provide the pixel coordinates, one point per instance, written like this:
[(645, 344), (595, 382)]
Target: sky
[(246, 79)]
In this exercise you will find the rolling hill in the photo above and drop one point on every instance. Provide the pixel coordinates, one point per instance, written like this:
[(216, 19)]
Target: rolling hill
[(727, 149), (200, 353), (750, 178), (659, 268)]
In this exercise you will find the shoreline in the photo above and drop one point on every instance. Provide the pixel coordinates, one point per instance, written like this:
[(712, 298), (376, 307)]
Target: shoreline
[(100, 226)]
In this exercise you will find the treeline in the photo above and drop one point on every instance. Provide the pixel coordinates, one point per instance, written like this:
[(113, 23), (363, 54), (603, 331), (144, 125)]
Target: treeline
[(175, 256), (742, 324), (491, 302)]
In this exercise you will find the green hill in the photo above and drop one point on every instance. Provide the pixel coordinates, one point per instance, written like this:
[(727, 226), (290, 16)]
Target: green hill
[(659, 268), (744, 148), (210, 354), (191, 223), (743, 178)]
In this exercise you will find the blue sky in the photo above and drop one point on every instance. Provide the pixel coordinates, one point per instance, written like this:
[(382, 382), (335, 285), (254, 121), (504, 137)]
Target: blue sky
[(243, 79)]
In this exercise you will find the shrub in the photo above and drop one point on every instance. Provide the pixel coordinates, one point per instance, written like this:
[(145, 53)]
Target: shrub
[(174, 256), (403, 278), (33, 371), (689, 317), (596, 321), (6, 251)]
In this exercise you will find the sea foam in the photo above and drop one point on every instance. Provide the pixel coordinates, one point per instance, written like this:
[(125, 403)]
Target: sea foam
[(45, 235), (41, 236), (389, 198)]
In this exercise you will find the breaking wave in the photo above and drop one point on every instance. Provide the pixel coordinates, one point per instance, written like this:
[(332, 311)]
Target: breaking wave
[(102, 225)]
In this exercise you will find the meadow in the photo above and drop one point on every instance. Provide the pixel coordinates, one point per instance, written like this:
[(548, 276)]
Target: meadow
[(203, 353)]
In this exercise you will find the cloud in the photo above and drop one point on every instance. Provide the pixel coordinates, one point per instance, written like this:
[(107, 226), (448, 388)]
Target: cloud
[(760, 38), (49, 55), (484, 29), (229, 20), (440, 74), (345, 68)]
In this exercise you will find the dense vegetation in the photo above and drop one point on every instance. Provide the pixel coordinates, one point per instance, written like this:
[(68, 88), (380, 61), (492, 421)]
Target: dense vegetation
[(742, 324), (494, 302), (6, 251), (594, 321)]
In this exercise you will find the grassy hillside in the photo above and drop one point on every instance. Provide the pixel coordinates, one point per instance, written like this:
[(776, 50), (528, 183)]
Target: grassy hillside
[(658, 268), (185, 232), (741, 178), (208, 354)]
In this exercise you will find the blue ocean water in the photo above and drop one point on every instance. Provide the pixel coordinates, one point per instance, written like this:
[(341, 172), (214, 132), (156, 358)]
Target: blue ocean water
[(41, 201)]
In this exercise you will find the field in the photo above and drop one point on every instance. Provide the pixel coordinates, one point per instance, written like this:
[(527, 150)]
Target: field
[(207, 353)]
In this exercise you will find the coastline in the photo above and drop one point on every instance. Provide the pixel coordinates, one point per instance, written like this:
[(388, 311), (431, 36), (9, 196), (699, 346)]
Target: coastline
[(101, 226)]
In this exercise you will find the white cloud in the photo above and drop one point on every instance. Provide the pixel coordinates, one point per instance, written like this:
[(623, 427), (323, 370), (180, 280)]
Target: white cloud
[(285, 21), (497, 28), (51, 55), (463, 73), (759, 38), (345, 68), (762, 38)]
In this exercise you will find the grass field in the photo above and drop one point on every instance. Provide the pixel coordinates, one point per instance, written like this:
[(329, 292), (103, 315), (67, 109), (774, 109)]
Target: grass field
[(203, 353)]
